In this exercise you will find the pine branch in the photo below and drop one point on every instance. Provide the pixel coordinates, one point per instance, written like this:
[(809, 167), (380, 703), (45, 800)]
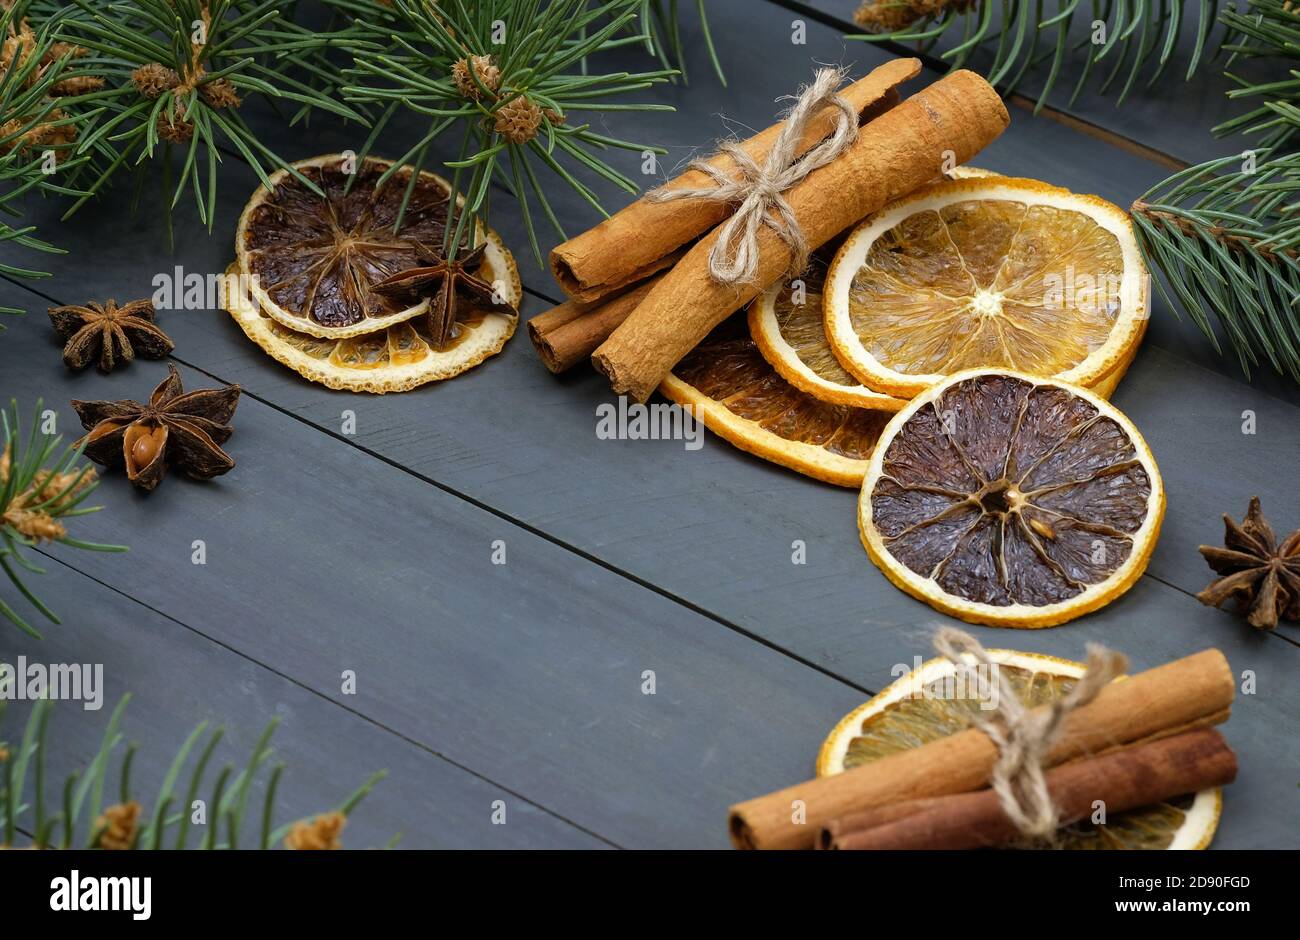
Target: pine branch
[(174, 74), (1225, 234), (1225, 238), (40, 80), (507, 75), (663, 37), (80, 818), (1138, 36), (39, 490)]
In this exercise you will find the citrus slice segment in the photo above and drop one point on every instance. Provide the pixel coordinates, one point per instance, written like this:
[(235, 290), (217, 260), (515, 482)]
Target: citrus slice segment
[(740, 397), (919, 708), (987, 272), (1009, 500), (311, 260), (395, 359), (787, 325)]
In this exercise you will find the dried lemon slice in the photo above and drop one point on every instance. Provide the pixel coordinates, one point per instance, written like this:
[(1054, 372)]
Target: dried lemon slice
[(395, 359), (1009, 500), (917, 709), (742, 399), (311, 260), (786, 323), (987, 273)]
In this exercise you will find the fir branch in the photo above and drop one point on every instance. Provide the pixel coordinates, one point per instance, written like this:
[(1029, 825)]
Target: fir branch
[(508, 74), (127, 823), (39, 490), (1225, 238), (1138, 36)]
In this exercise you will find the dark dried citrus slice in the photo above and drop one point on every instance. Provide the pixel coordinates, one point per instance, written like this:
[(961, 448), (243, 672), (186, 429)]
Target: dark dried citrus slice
[(740, 397), (920, 707), (1009, 500), (395, 359), (311, 260)]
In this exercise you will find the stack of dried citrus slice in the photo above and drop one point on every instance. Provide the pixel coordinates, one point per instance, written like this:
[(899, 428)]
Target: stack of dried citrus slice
[(977, 270), (308, 263), (919, 708), (968, 336)]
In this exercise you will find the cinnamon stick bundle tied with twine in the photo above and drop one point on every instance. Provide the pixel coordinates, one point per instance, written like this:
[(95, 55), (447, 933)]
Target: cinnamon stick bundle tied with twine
[(1184, 695), (646, 237), (757, 190), (1124, 780), (892, 155)]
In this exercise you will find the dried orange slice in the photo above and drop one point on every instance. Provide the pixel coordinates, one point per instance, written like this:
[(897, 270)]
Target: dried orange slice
[(987, 272), (311, 260), (918, 708), (395, 359), (1008, 500), (786, 323), (742, 399)]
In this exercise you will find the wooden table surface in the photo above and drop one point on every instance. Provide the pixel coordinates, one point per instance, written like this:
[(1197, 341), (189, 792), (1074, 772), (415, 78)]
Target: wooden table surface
[(331, 549)]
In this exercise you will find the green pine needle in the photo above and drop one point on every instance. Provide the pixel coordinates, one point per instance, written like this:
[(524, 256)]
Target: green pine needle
[(408, 58), (1138, 37), (1225, 236), (167, 822), (40, 488)]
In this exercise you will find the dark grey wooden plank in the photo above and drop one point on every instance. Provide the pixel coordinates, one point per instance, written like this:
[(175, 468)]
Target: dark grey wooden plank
[(321, 558), (178, 678), (715, 528)]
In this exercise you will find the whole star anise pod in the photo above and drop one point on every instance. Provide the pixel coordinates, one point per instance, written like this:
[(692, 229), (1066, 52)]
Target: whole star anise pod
[(176, 428), (108, 332), (446, 284), (1262, 575)]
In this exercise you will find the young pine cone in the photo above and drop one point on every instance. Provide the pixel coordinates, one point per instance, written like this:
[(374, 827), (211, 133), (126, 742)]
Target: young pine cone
[(153, 79), (890, 16), (319, 834), (518, 120), (484, 69)]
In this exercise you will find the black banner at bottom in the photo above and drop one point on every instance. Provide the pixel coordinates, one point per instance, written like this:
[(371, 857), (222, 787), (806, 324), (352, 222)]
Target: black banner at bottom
[(333, 889)]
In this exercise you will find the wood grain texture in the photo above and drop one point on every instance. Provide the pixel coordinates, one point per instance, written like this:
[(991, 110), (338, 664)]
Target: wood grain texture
[(178, 678), (322, 558), (372, 549)]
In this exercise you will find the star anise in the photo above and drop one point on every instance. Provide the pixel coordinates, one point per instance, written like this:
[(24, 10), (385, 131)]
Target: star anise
[(446, 283), (1262, 575), (109, 331), (176, 428)]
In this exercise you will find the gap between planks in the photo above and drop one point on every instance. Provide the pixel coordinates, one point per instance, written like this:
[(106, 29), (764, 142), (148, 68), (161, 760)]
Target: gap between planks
[(572, 548), (379, 725)]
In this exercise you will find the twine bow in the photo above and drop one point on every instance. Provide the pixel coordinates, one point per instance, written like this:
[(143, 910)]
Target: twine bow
[(1023, 736), (758, 191)]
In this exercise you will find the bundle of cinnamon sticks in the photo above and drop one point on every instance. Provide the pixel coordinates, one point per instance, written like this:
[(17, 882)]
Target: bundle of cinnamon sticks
[(1142, 740), (641, 295)]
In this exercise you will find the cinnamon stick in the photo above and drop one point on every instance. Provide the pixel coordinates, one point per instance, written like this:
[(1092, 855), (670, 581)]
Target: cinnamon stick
[(894, 154), (1122, 780), (1189, 693), (640, 239), (568, 334)]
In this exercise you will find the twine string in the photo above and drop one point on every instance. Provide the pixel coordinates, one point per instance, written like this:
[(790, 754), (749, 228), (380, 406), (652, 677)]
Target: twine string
[(758, 191), (1023, 736)]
